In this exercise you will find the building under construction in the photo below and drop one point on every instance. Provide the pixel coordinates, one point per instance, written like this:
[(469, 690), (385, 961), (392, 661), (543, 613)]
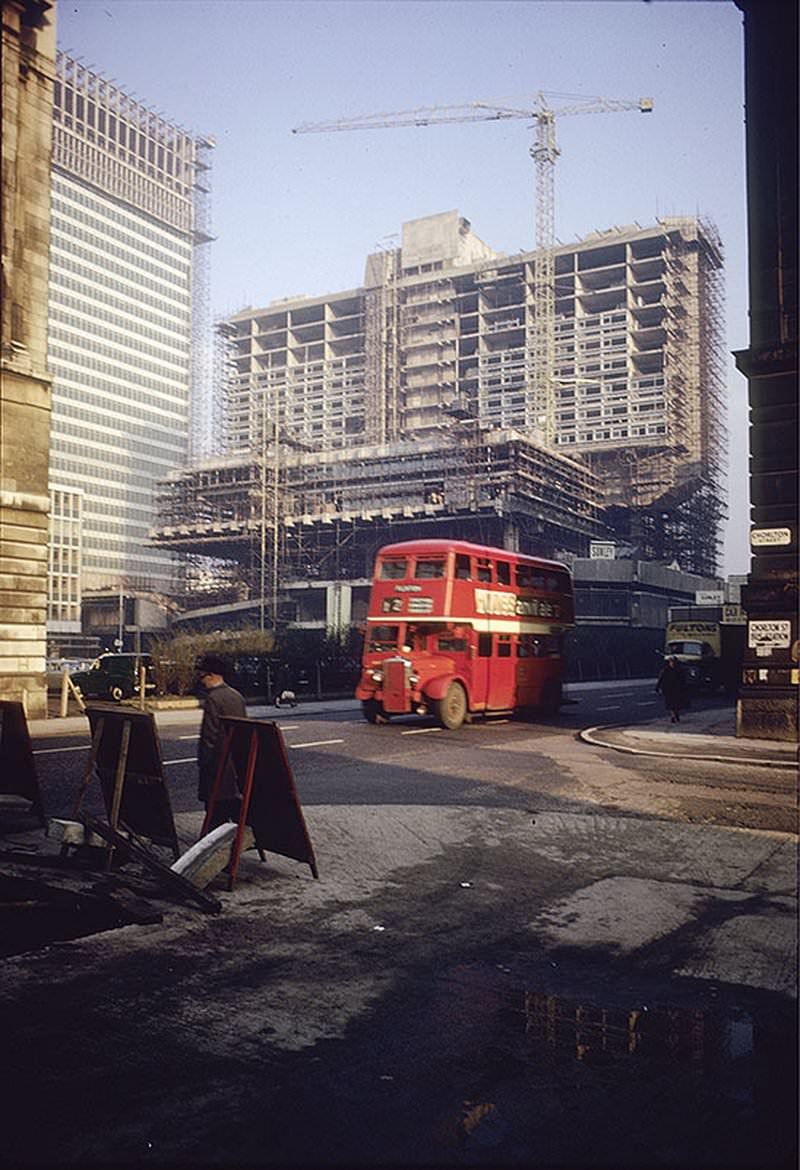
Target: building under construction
[(306, 517), (413, 402)]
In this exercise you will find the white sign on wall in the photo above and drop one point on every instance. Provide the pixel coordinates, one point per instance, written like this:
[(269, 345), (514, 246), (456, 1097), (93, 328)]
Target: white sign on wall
[(733, 615), (768, 634), (602, 550), (769, 537), (709, 597)]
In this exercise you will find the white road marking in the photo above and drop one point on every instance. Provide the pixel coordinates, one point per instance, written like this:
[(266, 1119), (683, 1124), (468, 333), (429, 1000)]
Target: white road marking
[(188, 760), (649, 703), (613, 707), (421, 730), (49, 751), (316, 743), (188, 736)]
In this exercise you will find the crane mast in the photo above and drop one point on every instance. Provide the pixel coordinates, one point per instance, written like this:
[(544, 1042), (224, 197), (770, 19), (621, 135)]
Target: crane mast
[(540, 335)]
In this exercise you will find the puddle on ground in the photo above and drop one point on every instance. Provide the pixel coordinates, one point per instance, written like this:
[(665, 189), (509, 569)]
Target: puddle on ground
[(686, 1036), (585, 1081)]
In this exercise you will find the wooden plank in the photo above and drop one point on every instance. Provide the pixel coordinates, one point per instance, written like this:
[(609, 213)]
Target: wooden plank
[(165, 875)]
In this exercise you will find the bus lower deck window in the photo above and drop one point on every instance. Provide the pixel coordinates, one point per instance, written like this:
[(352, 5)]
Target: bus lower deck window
[(452, 644)]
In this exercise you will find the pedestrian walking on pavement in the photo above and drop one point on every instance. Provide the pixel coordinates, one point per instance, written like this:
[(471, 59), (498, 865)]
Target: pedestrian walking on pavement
[(220, 699), (672, 685)]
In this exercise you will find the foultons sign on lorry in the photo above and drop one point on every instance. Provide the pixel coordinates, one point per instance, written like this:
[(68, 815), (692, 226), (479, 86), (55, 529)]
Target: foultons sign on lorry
[(709, 651)]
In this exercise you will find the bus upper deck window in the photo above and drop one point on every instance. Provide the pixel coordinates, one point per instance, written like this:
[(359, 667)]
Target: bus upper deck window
[(503, 569), (428, 570), (484, 570), (393, 570), (462, 567), (524, 577)]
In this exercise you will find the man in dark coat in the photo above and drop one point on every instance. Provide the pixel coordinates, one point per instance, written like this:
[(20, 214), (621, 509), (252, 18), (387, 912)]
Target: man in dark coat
[(672, 685), (220, 699)]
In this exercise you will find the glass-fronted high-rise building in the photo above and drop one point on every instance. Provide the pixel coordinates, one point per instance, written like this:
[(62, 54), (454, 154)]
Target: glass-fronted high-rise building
[(127, 218)]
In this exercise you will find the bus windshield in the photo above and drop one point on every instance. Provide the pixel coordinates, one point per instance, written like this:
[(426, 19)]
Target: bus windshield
[(383, 638)]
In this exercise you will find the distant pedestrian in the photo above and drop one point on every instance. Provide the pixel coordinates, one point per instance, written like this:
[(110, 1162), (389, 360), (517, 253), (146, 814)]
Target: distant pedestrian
[(672, 685), (220, 699)]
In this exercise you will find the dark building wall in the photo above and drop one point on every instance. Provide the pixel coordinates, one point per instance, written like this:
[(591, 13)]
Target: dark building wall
[(27, 81), (768, 699)]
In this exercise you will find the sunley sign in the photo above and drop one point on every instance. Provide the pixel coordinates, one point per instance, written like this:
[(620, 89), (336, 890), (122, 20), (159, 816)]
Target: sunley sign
[(709, 597), (601, 550)]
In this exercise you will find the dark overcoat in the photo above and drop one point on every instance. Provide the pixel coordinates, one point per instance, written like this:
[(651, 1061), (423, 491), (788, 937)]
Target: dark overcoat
[(672, 684), (219, 701)]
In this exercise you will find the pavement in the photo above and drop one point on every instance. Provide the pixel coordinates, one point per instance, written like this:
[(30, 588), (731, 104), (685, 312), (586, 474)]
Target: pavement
[(419, 1002), (701, 735)]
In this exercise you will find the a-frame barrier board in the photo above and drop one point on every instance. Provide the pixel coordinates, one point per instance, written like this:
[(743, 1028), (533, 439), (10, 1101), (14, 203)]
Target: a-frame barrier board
[(17, 767), (126, 758), (269, 797)]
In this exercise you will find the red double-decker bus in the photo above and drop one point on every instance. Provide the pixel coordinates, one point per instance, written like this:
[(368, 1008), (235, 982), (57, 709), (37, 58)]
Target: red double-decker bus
[(456, 629)]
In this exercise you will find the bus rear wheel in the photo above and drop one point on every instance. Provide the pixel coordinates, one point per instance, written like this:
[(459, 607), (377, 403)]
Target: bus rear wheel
[(373, 711), (451, 711)]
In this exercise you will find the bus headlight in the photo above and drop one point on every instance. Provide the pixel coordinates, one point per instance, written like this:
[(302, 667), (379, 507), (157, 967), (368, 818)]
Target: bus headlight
[(413, 679), (377, 676)]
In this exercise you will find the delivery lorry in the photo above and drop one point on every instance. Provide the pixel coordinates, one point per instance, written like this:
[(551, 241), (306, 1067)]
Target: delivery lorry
[(709, 649)]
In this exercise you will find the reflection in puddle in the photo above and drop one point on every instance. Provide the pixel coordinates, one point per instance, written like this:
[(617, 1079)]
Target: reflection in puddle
[(688, 1036), (653, 1083)]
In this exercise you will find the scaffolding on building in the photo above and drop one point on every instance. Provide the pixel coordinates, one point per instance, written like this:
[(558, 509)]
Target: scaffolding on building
[(201, 392), (325, 514), (437, 352), (381, 342)]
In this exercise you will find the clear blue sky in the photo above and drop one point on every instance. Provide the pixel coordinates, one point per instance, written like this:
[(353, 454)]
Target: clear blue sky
[(297, 214)]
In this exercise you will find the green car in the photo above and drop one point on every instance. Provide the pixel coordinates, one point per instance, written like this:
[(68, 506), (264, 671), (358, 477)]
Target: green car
[(114, 676)]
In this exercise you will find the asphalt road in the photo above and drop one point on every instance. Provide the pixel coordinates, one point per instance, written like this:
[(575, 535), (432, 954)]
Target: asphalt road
[(522, 950), (337, 757)]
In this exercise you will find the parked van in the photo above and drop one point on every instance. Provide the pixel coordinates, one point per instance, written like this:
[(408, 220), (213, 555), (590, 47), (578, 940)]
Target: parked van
[(114, 676)]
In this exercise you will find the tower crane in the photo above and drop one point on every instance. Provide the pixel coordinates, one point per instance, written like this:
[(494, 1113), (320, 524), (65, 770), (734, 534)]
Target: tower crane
[(544, 151)]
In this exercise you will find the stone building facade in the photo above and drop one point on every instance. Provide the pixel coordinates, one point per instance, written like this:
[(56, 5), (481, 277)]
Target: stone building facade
[(28, 57)]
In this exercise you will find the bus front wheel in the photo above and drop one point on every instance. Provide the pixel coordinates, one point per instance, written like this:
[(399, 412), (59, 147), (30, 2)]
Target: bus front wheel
[(451, 711), (373, 711)]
